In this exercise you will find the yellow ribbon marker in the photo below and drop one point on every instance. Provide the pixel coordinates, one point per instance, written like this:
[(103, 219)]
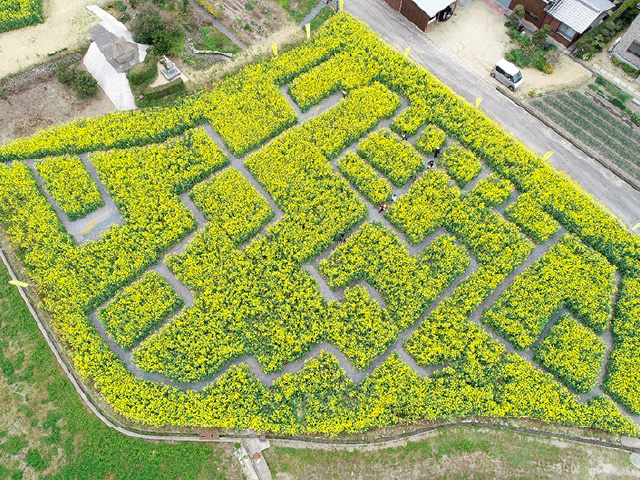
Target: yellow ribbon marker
[(18, 283), (478, 102), (275, 49), (341, 5), (91, 225), (406, 52), (308, 27), (547, 155), (636, 227)]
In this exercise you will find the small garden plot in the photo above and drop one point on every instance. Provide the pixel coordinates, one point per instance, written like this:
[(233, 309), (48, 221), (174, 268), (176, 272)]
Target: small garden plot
[(211, 39), (252, 20), (595, 127)]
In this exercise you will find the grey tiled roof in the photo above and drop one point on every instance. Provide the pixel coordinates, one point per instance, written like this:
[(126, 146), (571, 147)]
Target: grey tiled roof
[(578, 14), (622, 48)]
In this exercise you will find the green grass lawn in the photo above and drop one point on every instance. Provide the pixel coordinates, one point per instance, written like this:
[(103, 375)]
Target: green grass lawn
[(215, 40), (457, 453), (298, 9), (46, 432)]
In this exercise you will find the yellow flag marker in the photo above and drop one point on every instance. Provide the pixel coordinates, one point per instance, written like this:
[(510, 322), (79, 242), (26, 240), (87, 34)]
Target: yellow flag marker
[(547, 155), (18, 283), (478, 102), (406, 52), (308, 27), (341, 5), (275, 49), (91, 225), (636, 227)]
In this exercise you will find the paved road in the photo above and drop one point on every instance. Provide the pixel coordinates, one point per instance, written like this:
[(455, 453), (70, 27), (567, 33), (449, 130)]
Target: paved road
[(618, 196)]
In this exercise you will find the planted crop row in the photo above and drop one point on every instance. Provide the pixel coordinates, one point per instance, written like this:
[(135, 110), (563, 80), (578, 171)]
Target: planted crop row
[(602, 134), (397, 159), (573, 353), (532, 220), (70, 184), (138, 309), (233, 204), (364, 178), (570, 274), (581, 132), (621, 380)]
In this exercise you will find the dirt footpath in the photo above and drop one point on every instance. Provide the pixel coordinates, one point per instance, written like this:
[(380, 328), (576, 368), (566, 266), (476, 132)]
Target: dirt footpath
[(65, 25), (477, 35), (44, 103)]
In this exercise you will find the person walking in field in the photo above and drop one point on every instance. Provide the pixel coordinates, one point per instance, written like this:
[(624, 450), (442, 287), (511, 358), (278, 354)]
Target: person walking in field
[(383, 208), (394, 197)]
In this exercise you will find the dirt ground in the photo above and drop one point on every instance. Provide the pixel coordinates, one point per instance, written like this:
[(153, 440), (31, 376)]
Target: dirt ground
[(44, 103), (477, 35), (65, 25)]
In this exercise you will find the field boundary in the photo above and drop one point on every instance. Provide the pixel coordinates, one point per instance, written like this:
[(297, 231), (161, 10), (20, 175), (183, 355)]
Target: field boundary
[(621, 174), (290, 441)]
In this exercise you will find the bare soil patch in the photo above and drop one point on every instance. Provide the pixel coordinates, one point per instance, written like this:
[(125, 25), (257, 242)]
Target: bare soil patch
[(477, 35), (65, 26), (43, 103)]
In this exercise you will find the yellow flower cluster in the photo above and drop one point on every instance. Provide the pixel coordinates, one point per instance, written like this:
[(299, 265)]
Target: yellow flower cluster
[(407, 284), (20, 13), (490, 192), (532, 220), (138, 309), (233, 205), (69, 183), (622, 380), (461, 164), (259, 301), (397, 159), (573, 353), (432, 138), (364, 178), (359, 327), (570, 274)]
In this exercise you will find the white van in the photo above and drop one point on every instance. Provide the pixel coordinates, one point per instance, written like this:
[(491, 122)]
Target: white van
[(508, 73)]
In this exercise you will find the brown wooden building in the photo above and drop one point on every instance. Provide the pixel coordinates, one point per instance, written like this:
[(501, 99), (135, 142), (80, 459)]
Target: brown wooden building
[(423, 12), (568, 19)]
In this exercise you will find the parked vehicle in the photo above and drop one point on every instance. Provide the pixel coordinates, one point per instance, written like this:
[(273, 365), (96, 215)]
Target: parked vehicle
[(508, 74)]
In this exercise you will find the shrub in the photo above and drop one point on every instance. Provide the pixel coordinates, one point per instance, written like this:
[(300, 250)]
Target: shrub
[(174, 86), (80, 81), (144, 72)]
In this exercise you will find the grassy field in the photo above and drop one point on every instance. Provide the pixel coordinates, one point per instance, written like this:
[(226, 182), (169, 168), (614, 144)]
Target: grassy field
[(47, 433), (457, 453)]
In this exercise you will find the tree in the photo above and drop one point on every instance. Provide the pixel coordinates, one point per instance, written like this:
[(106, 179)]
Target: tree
[(540, 37), (146, 24), (516, 15)]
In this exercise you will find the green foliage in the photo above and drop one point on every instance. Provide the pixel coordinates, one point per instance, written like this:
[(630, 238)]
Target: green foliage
[(80, 81), (573, 353), (490, 192), (214, 40), (147, 24), (175, 86), (144, 72)]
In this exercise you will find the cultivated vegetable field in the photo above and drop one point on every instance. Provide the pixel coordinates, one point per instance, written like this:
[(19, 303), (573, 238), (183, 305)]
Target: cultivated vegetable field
[(250, 276)]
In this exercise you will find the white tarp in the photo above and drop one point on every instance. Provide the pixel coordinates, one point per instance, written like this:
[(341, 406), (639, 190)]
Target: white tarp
[(114, 84), (432, 7)]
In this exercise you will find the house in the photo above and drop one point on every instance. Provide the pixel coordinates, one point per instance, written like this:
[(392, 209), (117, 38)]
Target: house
[(568, 19), (627, 50), (424, 12)]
